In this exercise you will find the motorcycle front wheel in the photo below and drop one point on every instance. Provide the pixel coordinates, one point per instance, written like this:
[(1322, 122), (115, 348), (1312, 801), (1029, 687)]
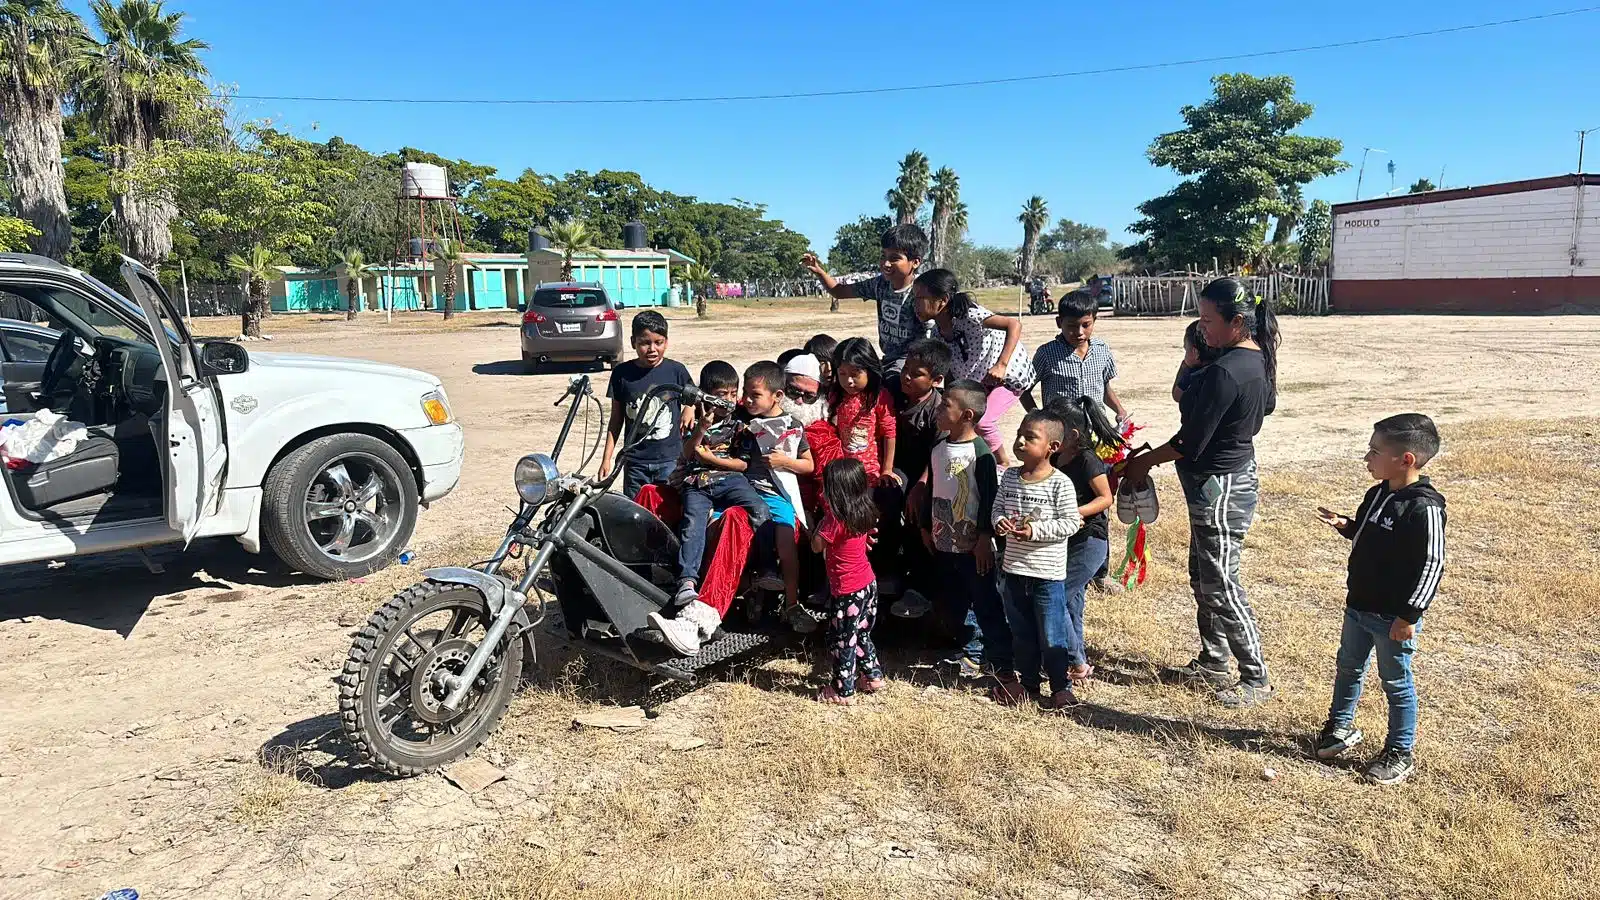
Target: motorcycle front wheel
[(394, 681)]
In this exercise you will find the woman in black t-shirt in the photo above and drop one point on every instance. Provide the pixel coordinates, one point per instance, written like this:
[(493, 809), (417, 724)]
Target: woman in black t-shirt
[(1215, 454)]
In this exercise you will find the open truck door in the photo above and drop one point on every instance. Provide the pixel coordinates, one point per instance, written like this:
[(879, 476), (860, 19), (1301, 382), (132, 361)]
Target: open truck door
[(196, 452)]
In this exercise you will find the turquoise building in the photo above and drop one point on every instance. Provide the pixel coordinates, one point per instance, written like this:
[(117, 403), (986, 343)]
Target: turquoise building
[(632, 278)]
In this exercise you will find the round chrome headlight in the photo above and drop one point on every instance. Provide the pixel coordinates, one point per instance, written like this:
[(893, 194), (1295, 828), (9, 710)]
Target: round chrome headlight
[(533, 476)]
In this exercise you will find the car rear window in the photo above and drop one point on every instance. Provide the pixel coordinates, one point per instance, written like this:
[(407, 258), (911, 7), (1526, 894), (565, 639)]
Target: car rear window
[(559, 299)]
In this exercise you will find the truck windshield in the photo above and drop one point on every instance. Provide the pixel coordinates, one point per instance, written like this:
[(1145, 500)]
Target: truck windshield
[(568, 299)]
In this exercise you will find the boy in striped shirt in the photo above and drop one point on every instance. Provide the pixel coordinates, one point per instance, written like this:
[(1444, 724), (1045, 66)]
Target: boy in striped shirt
[(1035, 511), (1396, 563)]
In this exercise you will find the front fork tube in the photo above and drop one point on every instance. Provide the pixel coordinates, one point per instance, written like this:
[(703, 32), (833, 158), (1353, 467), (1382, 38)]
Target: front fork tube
[(460, 684)]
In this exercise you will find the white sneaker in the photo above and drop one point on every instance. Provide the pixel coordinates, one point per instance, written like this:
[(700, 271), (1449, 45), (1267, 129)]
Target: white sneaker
[(705, 619), (681, 634)]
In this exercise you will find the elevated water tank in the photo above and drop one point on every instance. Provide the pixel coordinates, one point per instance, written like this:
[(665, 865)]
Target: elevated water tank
[(424, 181), (537, 240), (415, 246), (634, 237)]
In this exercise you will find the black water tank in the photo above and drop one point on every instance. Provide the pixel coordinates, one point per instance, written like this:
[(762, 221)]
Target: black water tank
[(537, 240), (634, 236), (415, 246)]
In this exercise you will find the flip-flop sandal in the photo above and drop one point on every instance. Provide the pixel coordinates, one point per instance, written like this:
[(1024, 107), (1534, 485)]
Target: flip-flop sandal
[(1088, 673), (871, 687)]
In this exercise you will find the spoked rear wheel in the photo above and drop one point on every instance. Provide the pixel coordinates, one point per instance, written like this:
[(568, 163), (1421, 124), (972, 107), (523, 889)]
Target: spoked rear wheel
[(394, 682)]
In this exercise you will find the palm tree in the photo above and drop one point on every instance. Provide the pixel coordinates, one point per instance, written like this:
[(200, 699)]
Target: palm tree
[(355, 269), (129, 85), (452, 256), (1035, 215), (1286, 223), (258, 268), (909, 189), (572, 238), (36, 41), (958, 222), (699, 279), (944, 195)]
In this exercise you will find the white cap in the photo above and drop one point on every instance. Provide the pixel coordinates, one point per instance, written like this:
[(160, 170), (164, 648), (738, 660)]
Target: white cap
[(805, 364)]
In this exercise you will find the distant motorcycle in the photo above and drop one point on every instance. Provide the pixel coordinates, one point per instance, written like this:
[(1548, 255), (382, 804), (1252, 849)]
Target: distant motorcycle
[(429, 677), (1039, 303)]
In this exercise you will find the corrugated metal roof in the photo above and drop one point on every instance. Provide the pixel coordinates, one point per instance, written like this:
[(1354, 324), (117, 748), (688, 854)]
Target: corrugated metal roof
[(1482, 190)]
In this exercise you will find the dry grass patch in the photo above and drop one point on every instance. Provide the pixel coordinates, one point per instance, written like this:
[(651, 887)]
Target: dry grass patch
[(269, 795), (1152, 790)]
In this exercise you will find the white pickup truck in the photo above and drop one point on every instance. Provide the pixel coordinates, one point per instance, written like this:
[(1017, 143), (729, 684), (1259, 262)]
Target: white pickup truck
[(325, 460)]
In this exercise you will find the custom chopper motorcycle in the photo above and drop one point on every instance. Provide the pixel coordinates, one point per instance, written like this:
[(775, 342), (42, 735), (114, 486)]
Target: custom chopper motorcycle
[(430, 675)]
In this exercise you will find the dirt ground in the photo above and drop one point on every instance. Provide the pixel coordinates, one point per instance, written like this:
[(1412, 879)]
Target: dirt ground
[(176, 733)]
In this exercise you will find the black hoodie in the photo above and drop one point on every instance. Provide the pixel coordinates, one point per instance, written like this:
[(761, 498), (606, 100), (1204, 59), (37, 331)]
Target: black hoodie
[(1396, 550)]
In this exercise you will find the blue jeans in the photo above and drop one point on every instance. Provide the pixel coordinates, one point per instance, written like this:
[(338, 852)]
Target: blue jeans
[(636, 475), (1036, 609), (1363, 633), (1084, 560), (971, 599), (731, 490)]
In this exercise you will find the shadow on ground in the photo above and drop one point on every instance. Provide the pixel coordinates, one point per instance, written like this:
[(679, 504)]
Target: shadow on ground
[(319, 752), (518, 367), (113, 591)]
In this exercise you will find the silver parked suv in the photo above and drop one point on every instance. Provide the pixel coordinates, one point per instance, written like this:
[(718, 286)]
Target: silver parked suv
[(570, 322)]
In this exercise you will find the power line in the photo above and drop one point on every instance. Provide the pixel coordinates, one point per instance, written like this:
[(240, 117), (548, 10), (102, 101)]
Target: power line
[(945, 85)]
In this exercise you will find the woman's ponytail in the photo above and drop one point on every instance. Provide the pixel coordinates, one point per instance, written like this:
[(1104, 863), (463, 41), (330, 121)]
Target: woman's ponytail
[(1265, 332)]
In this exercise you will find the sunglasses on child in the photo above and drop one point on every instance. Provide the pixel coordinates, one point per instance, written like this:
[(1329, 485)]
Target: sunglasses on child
[(799, 396)]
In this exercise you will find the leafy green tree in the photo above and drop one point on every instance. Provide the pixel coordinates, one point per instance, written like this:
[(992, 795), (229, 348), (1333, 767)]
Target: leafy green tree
[(858, 246), (1238, 154), (945, 195), (265, 188), (88, 189), (1034, 216), (258, 267), (997, 262), (572, 238), (15, 234), (133, 86), (1077, 251), (1422, 186), (502, 212), (355, 269), (1316, 234), (36, 41), (905, 198)]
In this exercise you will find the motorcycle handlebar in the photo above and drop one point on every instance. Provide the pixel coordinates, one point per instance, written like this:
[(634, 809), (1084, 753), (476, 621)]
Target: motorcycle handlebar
[(694, 394)]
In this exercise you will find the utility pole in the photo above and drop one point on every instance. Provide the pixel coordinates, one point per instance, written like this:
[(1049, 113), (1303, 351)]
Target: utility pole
[(1581, 136), (188, 316), (1362, 173)]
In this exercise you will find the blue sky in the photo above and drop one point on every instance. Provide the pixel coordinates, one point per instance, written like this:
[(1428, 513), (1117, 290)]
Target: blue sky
[(1490, 105)]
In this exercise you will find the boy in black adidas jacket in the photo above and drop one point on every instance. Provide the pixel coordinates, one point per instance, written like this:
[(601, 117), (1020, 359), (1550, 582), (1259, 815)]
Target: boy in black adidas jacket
[(1396, 561)]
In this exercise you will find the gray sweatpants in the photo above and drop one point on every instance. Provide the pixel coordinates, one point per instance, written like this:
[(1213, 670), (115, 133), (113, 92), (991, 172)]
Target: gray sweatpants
[(1221, 508)]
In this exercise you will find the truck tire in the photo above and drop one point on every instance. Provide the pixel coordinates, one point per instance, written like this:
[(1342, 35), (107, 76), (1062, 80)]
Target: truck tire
[(340, 507)]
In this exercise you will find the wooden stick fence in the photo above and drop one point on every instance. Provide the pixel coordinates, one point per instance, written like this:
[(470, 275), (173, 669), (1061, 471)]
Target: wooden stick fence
[(1178, 295)]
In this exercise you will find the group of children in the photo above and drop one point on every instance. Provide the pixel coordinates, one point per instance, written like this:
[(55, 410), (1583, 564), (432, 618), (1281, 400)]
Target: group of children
[(892, 470)]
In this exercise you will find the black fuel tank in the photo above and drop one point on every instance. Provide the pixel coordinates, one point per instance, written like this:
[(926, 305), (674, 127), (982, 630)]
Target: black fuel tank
[(633, 535)]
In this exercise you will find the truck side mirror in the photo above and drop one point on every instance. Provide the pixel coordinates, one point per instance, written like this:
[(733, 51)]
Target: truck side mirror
[(223, 358)]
